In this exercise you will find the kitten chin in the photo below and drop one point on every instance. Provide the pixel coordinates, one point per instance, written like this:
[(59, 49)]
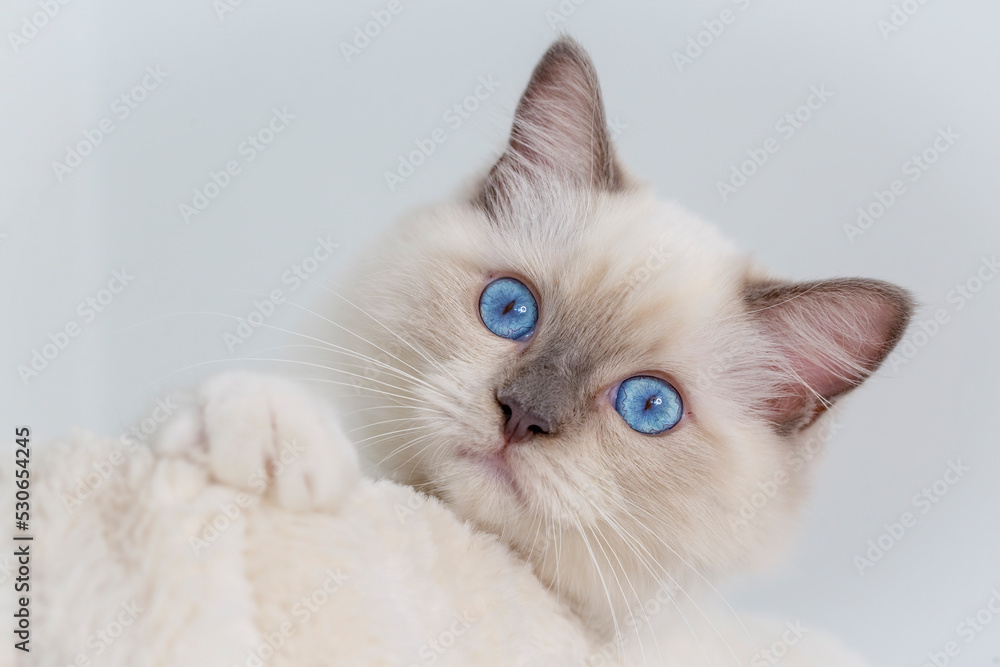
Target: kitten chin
[(624, 287)]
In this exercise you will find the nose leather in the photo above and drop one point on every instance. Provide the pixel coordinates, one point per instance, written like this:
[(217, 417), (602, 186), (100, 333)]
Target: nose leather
[(521, 422)]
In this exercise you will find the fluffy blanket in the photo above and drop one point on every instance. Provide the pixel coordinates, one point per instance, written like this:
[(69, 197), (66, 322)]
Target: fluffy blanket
[(225, 545)]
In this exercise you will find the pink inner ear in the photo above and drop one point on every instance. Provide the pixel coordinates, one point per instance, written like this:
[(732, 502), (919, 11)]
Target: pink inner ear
[(560, 132), (831, 336), (560, 121)]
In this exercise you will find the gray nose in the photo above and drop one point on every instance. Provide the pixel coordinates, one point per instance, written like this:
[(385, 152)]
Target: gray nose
[(521, 422)]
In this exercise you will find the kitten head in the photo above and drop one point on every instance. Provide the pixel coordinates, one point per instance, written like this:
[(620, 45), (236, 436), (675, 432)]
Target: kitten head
[(598, 377)]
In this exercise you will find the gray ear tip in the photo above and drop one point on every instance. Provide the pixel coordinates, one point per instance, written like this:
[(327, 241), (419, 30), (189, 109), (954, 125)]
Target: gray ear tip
[(772, 289), (898, 297), (564, 49), (895, 304), (559, 133), (564, 44), (901, 297), (898, 309)]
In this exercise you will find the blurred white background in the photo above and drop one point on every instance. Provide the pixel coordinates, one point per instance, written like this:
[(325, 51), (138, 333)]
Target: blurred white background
[(894, 76)]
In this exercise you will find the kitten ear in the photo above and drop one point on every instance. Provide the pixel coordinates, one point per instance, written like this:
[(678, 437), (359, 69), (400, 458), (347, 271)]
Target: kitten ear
[(560, 131), (830, 336)]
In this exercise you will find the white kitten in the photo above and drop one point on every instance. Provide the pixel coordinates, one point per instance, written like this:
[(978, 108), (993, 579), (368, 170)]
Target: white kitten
[(504, 399), (590, 377)]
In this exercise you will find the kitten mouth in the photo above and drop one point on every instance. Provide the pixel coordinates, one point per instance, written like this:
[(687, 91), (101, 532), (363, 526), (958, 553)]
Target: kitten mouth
[(494, 465)]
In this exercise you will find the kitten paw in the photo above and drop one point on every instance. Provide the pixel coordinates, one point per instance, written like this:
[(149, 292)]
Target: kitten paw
[(269, 436)]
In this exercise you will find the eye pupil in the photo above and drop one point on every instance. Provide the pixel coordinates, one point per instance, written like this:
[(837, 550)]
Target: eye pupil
[(508, 309), (648, 404)]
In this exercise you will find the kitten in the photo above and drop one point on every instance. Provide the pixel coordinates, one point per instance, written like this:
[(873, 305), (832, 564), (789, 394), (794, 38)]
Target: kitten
[(517, 355), (528, 362)]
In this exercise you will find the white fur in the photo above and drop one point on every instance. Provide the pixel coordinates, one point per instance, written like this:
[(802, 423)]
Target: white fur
[(574, 535), (605, 515), (400, 570)]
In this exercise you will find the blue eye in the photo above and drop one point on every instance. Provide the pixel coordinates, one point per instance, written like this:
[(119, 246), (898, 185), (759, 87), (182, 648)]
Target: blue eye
[(648, 404), (508, 309)]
